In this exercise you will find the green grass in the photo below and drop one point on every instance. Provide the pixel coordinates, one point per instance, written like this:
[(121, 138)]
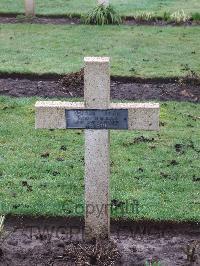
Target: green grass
[(140, 51), (33, 183), (127, 7)]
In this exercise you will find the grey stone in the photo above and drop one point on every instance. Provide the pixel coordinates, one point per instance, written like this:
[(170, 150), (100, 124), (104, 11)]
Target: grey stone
[(29, 7), (141, 116), (97, 161)]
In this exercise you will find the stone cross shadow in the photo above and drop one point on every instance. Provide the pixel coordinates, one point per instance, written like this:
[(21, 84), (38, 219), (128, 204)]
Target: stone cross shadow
[(97, 115)]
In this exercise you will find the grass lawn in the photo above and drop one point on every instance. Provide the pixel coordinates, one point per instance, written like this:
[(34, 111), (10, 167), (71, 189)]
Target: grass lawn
[(42, 171), (135, 51), (125, 7)]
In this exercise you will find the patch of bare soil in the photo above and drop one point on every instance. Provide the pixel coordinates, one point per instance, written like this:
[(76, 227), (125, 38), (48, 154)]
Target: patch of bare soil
[(16, 18), (39, 20), (60, 241), (158, 22), (71, 85)]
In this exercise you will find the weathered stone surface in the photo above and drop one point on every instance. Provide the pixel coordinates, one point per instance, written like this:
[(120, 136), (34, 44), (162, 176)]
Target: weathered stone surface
[(141, 116), (97, 159), (96, 82), (97, 172), (51, 114), (29, 7)]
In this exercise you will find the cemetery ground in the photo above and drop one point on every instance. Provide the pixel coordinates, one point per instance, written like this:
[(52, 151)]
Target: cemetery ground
[(159, 171), (80, 7), (150, 167), (154, 175), (146, 52)]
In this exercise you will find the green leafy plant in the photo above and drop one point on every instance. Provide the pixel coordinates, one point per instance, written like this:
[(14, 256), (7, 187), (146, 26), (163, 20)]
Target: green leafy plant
[(192, 251), (2, 218), (102, 15), (196, 16), (146, 16), (3, 234), (179, 16), (155, 263), (166, 16)]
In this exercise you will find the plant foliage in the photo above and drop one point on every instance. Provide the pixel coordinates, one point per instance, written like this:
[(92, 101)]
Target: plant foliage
[(196, 16), (1, 223), (179, 16), (102, 15), (144, 16)]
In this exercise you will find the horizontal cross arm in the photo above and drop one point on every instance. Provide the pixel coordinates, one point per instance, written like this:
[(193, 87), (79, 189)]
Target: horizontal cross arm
[(141, 116)]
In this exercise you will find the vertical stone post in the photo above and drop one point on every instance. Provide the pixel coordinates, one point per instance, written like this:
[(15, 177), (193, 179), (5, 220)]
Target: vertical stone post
[(29, 8), (103, 2), (97, 161)]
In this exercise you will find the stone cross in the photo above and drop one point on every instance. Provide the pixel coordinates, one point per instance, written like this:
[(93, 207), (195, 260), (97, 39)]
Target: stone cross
[(29, 8), (103, 2), (97, 115)]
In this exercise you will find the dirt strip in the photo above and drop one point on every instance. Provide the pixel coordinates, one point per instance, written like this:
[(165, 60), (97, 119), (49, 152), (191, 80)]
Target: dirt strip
[(121, 88), (60, 241), (40, 20), (59, 20)]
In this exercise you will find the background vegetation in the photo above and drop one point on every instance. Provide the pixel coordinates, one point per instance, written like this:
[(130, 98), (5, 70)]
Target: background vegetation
[(135, 51), (125, 7)]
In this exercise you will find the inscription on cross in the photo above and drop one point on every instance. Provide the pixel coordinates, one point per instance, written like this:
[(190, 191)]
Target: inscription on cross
[(97, 115), (97, 119)]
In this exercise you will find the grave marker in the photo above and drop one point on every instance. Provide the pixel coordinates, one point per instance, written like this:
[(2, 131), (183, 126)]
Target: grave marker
[(97, 115), (29, 8)]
